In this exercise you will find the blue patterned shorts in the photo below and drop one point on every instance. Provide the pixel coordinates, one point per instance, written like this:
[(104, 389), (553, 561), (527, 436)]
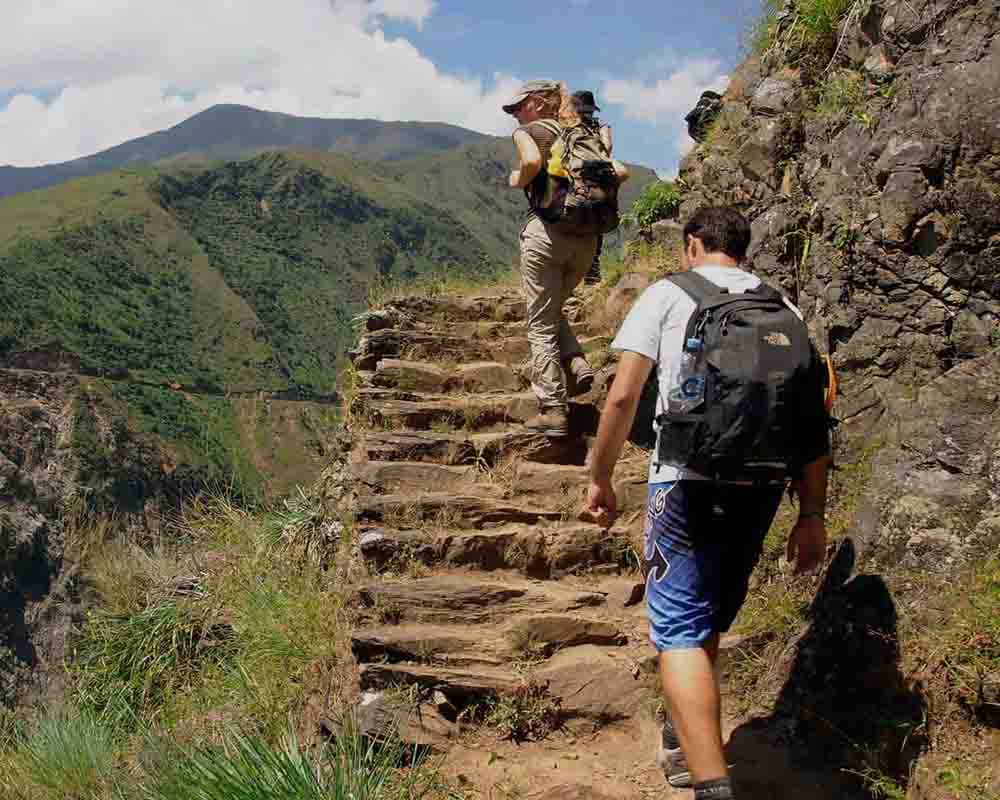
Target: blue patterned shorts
[(703, 540)]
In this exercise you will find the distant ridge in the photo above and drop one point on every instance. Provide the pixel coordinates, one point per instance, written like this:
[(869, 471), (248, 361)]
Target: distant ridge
[(229, 132)]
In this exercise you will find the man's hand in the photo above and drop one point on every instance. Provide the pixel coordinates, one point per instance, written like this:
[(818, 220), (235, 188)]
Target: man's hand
[(602, 503), (807, 544), (515, 179)]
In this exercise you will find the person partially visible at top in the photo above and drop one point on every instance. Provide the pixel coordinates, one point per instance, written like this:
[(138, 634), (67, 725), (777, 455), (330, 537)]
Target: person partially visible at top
[(585, 106), (553, 262)]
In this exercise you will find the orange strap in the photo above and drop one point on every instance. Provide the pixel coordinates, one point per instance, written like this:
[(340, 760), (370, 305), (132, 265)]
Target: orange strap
[(831, 386)]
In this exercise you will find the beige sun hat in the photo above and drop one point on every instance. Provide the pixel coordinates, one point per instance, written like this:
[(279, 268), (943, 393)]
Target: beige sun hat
[(528, 89)]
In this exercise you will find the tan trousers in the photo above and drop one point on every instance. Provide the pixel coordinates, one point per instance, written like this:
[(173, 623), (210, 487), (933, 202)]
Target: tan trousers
[(552, 266)]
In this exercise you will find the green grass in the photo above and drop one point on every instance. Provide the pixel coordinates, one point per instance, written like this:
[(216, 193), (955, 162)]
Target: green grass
[(973, 657), (810, 38), (65, 757), (128, 666), (250, 768), (841, 92)]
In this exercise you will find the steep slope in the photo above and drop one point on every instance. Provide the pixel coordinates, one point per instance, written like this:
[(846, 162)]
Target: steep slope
[(229, 132)]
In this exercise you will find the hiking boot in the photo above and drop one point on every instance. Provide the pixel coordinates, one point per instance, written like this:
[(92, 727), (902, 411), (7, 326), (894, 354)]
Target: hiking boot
[(551, 422), (671, 759), (579, 377)]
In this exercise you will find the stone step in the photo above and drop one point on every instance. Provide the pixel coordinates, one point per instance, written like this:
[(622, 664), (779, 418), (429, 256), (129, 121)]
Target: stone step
[(591, 684), (478, 377), (470, 600), (461, 685), (444, 308), (510, 478), (413, 345), (447, 510), (538, 635), (395, 477), (433, 345), (477, 448), (595, 684), (425, 644), (538, 552), (381, 408)]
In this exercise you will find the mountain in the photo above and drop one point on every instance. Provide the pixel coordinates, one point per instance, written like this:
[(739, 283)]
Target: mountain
[(230, 132), (180, 290)]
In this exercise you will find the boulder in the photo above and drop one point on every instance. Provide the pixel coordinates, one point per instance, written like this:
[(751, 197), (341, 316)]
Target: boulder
[(904, 201), (774, 95), (905, 154)]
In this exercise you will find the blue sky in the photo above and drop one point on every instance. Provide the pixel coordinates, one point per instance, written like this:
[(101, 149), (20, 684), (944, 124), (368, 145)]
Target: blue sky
[(88, 74)]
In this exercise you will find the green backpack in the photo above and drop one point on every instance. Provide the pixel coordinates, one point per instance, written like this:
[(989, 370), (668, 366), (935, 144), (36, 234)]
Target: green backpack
[(585, 200)]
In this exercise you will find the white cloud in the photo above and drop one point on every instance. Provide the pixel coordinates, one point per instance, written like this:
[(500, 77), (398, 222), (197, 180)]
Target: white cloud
[(124, 68), (664, 102)]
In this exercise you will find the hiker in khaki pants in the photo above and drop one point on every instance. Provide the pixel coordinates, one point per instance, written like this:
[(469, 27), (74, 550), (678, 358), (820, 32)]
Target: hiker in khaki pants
[(552, 263)]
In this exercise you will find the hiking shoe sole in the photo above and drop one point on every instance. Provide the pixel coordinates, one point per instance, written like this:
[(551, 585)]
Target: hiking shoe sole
[(674, 766)]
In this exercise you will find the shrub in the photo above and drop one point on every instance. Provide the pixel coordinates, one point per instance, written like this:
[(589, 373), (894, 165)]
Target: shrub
[(528, 713), (659, 200)]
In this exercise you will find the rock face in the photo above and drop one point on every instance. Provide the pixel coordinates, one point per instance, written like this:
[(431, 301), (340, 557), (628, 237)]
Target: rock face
[(876, 209), (933, 499), (35, 478)]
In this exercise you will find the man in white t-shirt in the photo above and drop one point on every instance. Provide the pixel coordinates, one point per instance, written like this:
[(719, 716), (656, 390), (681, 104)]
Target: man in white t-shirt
[(703, 538)]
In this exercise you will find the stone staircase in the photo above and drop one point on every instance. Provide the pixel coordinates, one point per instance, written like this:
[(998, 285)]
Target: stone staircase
[(485, 590)]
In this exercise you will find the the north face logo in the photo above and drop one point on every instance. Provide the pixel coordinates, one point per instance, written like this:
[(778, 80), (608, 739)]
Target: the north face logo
[(778, 339)]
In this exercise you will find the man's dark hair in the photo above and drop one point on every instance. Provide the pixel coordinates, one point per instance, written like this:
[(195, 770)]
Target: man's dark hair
[(722, 229)]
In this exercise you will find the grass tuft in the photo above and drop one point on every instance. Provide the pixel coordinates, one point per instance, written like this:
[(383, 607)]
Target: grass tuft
[(72, 757), (128, 665), (528, 713), (249, 768)]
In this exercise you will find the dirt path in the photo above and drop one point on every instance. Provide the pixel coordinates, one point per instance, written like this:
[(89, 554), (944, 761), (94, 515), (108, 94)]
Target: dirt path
[(487, 594)]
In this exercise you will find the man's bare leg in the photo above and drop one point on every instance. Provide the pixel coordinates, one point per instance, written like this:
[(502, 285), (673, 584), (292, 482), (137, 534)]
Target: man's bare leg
[(692, 693)]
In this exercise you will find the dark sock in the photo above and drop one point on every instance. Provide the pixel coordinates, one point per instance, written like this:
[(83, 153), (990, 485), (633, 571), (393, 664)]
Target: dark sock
[(670, 740), (719, 789)]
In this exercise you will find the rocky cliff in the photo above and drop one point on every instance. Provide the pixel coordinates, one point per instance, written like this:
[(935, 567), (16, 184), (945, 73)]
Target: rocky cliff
[(872, 175), (869, 163)]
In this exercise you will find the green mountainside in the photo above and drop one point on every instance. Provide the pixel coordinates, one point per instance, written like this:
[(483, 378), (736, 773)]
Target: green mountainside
[(181, 290), (230, 132)]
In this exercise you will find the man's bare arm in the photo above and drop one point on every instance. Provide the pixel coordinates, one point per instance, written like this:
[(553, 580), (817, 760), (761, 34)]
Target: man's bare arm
[(812, 489), (619, 413), (530, 158), (807, 541)]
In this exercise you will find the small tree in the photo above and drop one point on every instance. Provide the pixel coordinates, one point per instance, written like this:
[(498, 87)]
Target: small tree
[(659, 200)]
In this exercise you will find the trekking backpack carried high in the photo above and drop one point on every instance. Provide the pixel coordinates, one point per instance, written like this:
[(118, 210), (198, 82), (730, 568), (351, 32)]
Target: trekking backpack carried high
[(763, 415), (585, 200)]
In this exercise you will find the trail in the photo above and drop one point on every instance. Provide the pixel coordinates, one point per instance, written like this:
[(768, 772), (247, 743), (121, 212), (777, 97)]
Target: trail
[(483, 580)]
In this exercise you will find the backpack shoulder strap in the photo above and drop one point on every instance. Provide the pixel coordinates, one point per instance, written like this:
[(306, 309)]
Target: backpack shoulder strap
[(550, 125), (697, 287), (765, 291)]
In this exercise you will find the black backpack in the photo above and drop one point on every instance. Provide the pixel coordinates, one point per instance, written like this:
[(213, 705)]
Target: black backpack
[(699, 120), (763, 417)]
